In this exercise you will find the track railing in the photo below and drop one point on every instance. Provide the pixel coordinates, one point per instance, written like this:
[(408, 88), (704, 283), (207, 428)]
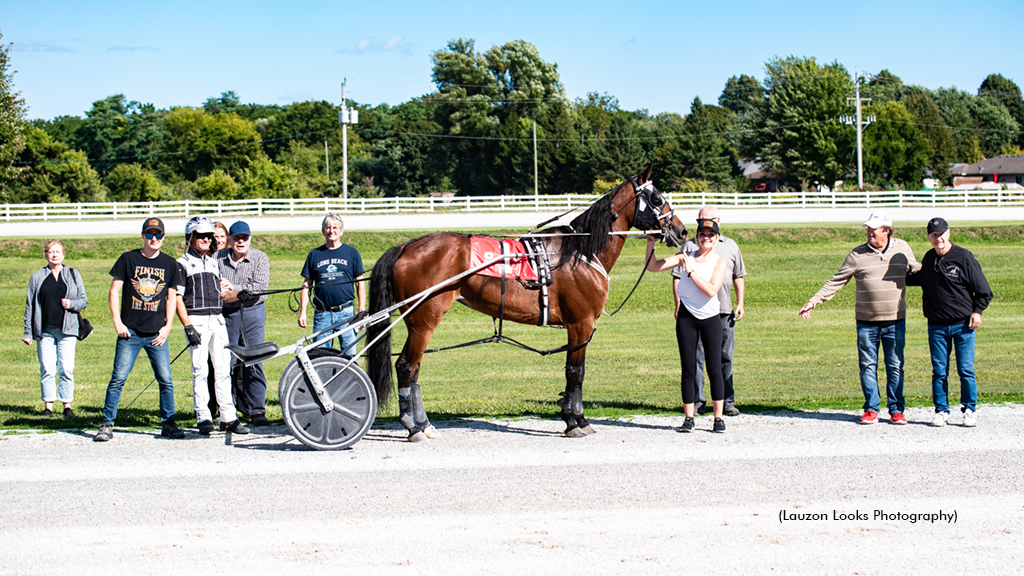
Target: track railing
[(526, 203)]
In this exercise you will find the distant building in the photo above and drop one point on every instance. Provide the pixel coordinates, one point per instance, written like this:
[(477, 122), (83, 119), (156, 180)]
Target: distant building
[(1006, 169), (760, 180)]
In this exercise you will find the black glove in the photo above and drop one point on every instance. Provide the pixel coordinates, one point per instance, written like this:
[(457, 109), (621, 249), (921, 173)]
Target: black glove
[(247, 298), (194, 339)]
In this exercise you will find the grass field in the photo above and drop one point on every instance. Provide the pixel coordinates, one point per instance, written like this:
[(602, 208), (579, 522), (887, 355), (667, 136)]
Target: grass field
[(782, 361)]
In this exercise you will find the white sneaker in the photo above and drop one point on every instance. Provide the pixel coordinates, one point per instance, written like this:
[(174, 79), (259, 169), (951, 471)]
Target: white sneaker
[(970, 420), (940, 419)]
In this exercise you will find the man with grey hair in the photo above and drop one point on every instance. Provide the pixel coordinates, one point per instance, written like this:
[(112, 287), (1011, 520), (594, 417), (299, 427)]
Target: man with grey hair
[(333, 272), (730, 252)]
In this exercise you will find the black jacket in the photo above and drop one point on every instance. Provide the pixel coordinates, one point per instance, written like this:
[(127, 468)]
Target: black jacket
[(953, 286)]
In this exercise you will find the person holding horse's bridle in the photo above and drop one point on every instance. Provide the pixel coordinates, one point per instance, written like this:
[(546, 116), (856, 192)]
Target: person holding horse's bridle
[(699, 316)]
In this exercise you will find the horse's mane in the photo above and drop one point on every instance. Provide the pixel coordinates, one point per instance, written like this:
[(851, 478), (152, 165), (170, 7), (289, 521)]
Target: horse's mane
[(595, 223)]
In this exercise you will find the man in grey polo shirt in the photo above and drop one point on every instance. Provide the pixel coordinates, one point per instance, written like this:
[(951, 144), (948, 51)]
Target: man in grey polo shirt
[(730, 252)]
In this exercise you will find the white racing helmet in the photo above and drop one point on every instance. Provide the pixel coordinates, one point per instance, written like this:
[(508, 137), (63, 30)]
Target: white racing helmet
[(199, 225)]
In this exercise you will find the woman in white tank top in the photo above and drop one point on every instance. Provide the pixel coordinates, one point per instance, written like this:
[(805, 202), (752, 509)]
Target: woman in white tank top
[(699, 317)]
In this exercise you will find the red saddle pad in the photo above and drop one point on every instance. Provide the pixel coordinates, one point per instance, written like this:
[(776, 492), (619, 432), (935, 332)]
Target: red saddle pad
[(485, 248)]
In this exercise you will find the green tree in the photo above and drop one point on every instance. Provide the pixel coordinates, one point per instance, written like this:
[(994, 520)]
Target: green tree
[(981, 125), (309, 124), (199, 143), (217, 185), (741, 94), (229, 102), (613, 138), (54, 172), (64, 129), (117, 131), (885, 86), (133, 183), (401, 157), (933, 128), (895, 151), (12, 123), (264, 179), (1007, 92), (493, 99), (796, 134), (701, 151)]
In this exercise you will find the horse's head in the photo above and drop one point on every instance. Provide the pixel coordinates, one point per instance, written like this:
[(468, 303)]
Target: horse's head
[(652, 211)]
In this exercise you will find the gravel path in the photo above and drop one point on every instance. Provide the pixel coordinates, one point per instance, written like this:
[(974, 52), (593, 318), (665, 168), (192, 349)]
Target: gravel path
[(504, 497)]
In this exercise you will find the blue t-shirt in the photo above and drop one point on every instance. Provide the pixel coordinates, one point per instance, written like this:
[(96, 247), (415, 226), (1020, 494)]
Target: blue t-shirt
[(332, 273)]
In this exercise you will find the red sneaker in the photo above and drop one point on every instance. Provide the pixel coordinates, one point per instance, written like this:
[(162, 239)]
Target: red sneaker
[(898, 418), (869, 417)]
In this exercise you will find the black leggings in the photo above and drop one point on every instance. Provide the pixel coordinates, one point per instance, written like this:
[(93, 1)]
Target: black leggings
[(709, 330)]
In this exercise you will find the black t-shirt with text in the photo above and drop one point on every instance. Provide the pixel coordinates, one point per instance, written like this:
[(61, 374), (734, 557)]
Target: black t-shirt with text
[(144, 294)]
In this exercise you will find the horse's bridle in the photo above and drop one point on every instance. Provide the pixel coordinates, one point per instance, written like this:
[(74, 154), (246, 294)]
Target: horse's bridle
[(647, 214)]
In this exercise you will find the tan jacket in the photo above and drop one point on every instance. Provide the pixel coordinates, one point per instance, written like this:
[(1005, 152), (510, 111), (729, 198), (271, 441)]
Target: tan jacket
[(881, 281)]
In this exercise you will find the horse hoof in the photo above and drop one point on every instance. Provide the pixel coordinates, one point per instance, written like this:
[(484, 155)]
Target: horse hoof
[(418, 437), (588, 429), (431, 432), (575, 433)]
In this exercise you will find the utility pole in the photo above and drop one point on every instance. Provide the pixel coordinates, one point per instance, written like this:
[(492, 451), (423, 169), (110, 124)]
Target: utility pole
[(345, 117), (859, 122), (344, 142), (535, 194)]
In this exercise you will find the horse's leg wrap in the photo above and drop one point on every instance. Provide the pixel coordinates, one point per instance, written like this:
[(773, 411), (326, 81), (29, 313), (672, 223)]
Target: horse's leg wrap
[(571, 400), (406, 409), (418, 413)]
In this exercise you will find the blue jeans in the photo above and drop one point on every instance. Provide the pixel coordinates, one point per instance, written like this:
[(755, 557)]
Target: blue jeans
[(124, 359), (56, 352), (892, 338), (941, 341), (323, 319)]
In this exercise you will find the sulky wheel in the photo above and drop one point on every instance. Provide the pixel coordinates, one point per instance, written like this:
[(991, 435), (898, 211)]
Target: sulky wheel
[(294, 368), (355, 404)]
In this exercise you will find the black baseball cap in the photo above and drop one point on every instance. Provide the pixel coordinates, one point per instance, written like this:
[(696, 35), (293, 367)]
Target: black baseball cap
[(707, 223), (152, 223), (937, 225)]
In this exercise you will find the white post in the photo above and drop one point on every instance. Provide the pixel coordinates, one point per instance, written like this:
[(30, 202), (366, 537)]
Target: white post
[(860, 153), (535, 193), (344, 143)]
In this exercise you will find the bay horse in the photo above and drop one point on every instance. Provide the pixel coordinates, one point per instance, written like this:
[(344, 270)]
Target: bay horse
[(585, 251)]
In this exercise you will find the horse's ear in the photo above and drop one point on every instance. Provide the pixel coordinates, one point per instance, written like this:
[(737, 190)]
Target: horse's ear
[(646, 175)]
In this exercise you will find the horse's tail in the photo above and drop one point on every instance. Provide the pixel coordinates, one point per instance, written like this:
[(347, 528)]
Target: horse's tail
[(381, 297)]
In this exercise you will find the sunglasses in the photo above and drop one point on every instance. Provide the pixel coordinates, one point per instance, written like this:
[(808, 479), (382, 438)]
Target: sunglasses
[(157, 235), (203, 236)]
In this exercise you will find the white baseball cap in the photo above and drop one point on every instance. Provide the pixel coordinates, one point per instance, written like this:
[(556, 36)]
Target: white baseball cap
[(878, 219)]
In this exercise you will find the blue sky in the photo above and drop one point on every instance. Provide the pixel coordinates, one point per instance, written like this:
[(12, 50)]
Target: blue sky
[(656, 55)]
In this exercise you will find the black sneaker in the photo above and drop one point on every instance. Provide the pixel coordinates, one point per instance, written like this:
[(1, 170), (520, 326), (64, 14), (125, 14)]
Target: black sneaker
[(719, 425), (46, 413), (731, 410), (69, 413), (687, 425), (235, 426), (170, 430), (700, 408), (205, 427), (259, 420), (105, 434)]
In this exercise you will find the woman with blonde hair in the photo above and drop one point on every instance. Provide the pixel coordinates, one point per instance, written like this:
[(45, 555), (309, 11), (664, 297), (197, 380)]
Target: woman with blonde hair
[(55, 295)]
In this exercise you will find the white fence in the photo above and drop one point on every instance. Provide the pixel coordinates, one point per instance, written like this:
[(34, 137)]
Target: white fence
[(319, 206)]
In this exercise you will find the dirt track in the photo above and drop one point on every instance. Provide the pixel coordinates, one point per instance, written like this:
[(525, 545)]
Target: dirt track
[(515, 497)]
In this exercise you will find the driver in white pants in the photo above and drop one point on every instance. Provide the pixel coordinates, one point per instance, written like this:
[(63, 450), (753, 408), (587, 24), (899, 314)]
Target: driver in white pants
[(199, 308)]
